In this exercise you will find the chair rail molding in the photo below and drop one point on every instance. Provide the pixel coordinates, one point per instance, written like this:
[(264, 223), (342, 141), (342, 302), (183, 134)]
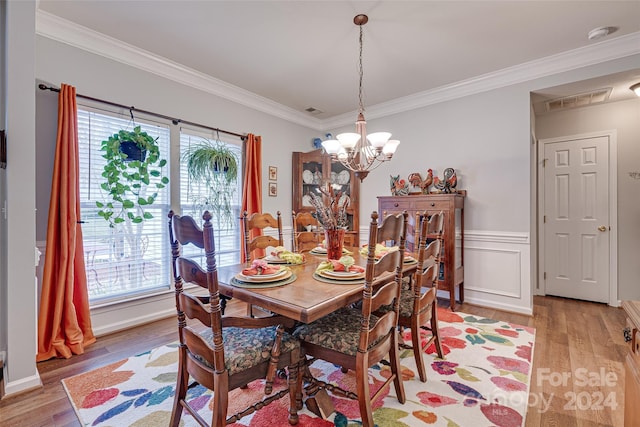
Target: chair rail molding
[(497, 270)]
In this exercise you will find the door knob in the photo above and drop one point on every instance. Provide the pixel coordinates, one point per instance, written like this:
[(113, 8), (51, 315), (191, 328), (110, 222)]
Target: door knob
[(602, 228)]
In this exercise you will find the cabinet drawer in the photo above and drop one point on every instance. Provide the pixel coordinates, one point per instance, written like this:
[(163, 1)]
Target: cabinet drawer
[(395, 206), (434, 205)]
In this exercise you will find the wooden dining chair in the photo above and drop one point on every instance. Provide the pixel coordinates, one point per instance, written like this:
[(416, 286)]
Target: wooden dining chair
[(219, 352), (303, 239), (259, 223), (353, 337), (418, 303)]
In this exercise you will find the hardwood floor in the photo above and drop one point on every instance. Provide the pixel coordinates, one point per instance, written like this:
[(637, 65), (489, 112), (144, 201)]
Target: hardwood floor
[(577, 378)]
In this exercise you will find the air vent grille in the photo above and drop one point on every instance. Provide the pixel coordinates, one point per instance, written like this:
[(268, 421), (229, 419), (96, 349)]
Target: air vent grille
[(312, 110), (579, 100)]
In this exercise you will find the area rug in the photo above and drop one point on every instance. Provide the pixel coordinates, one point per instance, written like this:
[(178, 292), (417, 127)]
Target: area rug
[(482, 381)]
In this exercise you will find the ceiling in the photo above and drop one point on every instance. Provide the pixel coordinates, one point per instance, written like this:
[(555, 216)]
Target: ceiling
[(303, 54)]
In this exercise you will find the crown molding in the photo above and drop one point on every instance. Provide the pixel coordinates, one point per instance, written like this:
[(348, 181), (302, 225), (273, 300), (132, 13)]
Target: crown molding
[(64, 31), (589, 55)]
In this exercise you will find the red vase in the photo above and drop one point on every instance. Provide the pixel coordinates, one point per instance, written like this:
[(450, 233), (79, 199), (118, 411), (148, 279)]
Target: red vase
[(334, 241)]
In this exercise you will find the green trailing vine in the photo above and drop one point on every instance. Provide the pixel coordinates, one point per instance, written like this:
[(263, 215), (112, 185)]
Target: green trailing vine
[(127, 181), (215, 166)]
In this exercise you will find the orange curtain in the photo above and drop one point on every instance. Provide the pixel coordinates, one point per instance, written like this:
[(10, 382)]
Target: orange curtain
[(64, 323), (252, 189)]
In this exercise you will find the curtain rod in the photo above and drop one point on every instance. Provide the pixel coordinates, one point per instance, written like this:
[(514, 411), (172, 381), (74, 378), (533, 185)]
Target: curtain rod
[(131, 109)]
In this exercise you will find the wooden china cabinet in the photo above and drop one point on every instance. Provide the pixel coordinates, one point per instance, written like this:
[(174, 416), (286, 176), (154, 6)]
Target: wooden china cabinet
[(310, 171), (452, 265)]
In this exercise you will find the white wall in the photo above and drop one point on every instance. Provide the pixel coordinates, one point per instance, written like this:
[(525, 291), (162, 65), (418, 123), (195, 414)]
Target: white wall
[(20, 369), (624, 118)]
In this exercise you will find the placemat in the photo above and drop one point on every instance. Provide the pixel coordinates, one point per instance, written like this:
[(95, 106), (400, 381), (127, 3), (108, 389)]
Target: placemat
[(240, 284)]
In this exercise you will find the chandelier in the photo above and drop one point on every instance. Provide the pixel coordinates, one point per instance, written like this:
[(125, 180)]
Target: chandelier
[(358, 151)]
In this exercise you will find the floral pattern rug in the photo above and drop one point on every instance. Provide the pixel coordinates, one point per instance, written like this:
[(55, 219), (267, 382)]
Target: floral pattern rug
[(482, 381)]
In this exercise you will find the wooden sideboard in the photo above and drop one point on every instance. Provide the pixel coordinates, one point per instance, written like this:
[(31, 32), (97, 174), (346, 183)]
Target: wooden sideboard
[(632, 365), (452, 270)]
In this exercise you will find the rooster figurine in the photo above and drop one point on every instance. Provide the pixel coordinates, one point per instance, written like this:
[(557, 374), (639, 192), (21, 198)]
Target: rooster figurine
[(416, 181), (399, 187), (448, 182)]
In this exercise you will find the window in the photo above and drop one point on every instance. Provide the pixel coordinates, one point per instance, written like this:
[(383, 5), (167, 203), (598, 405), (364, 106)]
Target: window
[(129, 260), (193, 198), (134, 260)]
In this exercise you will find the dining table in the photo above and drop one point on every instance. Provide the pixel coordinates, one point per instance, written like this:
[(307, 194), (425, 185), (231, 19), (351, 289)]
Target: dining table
[(305, 297)]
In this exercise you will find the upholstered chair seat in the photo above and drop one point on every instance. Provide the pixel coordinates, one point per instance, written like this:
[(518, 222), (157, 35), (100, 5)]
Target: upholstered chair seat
[(247, 348)]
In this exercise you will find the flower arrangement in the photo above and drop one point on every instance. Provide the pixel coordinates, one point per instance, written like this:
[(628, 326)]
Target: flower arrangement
[(333, 214)]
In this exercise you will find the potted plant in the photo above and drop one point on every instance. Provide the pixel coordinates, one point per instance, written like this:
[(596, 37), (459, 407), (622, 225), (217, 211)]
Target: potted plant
[(213, 165), (128, 175)]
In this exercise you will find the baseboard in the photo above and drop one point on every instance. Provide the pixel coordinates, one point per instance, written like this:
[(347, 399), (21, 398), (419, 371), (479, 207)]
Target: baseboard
[(508, 308), (21, 386), (132, 322)]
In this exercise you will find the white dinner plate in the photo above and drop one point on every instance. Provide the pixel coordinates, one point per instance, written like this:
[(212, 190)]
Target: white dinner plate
[(343, 274), (264, 277)]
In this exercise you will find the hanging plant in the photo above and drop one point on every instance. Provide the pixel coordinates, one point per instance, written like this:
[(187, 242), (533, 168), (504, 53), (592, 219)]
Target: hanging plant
[(215, 166), (127, 179)]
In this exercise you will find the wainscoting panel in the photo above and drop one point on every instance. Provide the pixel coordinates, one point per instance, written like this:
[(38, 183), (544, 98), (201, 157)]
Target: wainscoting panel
[(497, 270)]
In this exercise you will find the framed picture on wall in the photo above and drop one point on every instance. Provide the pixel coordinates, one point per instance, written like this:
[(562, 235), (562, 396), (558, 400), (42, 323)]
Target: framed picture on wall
[(273, 173), (273, 189)]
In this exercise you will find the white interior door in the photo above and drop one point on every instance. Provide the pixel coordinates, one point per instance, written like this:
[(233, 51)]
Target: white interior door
[(576, 218)]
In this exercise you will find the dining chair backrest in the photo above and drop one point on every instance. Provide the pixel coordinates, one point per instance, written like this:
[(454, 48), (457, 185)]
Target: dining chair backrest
[(389, 266), (204, 334), (183, 231), (253, 227), (422, 314), (306, 232)]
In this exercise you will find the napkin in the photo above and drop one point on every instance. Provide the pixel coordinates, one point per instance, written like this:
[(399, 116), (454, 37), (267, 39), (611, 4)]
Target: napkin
[(346, 263), (259, 268), (285, 255), (380, 250)]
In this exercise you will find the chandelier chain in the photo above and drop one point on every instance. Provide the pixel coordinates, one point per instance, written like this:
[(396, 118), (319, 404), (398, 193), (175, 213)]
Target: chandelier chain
[(361, 72)]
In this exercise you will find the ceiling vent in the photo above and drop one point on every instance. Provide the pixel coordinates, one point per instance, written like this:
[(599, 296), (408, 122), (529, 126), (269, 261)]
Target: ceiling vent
[(313, 111), (580, 100)]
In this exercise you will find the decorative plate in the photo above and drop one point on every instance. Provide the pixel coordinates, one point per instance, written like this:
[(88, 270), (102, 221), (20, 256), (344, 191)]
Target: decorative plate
[(306, 200), (334, 177), (344, 177), (307, 176)]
